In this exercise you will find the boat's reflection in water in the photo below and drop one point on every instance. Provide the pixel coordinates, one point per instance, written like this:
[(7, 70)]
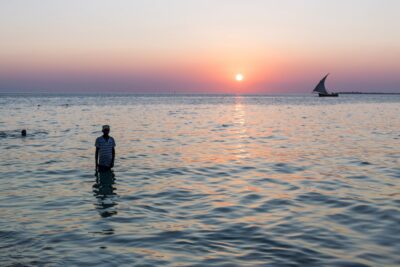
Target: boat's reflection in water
[(103, 190)]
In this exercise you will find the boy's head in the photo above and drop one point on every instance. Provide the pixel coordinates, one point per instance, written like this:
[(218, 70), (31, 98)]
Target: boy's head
[(106, 129)]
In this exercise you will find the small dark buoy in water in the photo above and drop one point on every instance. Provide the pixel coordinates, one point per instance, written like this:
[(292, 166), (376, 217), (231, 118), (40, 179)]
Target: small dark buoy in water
[(23, 132)]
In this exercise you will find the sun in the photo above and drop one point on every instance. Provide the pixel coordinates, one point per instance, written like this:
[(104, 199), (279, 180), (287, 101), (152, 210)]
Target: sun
[(239, 77)]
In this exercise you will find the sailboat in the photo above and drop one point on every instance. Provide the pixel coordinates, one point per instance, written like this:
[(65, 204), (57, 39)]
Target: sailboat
[(321, 89)]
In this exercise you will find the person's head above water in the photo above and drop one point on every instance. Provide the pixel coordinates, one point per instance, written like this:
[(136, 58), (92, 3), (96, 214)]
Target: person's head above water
[(106, 130), (23, 132)]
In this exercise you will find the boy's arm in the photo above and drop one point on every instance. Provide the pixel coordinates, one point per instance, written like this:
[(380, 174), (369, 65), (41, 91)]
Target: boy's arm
[(96, 157), (113, 157)]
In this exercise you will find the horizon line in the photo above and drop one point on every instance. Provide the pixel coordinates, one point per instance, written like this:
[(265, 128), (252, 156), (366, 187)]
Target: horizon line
[(183, 94)]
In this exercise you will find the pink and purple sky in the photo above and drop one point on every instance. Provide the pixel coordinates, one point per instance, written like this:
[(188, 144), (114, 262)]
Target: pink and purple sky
[(198, 46)]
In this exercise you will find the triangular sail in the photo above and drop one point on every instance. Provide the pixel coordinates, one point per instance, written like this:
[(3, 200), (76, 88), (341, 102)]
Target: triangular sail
[(320, 88)]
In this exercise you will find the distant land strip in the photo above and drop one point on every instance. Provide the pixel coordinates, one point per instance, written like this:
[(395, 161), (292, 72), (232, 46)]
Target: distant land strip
[(366, 93)]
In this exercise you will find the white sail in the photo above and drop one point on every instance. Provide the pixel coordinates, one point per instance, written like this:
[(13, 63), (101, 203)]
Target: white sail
[(320, 88)]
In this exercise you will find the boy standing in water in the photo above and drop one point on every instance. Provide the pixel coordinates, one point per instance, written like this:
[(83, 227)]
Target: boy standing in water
[(105, 151)]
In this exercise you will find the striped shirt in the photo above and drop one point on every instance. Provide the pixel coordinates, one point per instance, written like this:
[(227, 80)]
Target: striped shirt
[(105, 150)]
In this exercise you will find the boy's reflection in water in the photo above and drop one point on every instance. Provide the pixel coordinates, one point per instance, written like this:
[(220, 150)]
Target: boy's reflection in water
[(103, 190)]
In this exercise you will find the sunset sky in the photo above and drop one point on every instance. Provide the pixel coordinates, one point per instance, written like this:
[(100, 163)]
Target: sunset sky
[(199, 46)]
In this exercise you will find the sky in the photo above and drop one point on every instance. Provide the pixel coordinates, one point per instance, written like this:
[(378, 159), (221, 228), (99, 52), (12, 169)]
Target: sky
[(199, 46)]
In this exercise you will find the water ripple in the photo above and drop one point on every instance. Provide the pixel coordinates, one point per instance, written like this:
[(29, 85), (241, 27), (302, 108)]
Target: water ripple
[(201, 181)]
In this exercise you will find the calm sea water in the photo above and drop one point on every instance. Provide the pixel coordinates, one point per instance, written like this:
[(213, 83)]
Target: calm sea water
[(201, 181)]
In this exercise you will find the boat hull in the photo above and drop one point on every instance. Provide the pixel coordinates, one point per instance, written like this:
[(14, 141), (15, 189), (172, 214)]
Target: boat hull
[(328, 95)]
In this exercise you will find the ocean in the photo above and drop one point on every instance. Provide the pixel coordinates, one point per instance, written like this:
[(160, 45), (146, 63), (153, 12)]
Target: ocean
[(201, 180)]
